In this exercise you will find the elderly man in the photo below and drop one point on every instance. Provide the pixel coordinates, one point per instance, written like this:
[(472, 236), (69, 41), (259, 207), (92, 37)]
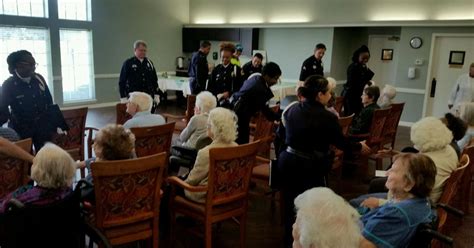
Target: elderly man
[(462, 91), (138, 106), (139, 74), (324, 219)]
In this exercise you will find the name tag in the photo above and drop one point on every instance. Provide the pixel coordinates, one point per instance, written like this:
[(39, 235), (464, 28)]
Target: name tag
[(19, 96)]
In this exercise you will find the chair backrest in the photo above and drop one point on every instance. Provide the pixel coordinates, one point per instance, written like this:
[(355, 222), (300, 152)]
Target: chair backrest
[(230, 170), (376, 127), (73, 142), (263, 127), (121, 113), (53, 225), (153, 140), (190, 104), (345, 123), (339, 104), (127, 194), (14, 172), (391, 124), (450, 189)]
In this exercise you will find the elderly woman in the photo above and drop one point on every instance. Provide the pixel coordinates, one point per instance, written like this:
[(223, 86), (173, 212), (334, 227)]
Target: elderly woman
[(196, 128), (53, 171), (139, 105), (322, 218), (388, 94), (222, 129), (410, 181), (467, 115)]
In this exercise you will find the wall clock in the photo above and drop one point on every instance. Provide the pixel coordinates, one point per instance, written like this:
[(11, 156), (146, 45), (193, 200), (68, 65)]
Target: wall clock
[(416, 42)]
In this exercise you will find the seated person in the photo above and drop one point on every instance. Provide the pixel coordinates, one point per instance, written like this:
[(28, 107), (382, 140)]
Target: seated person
[(431, 138), (410, 181), (139, 105), (112, 142), (458, 127), (222, 129), (322, 218), (253, 66), (9, 134), (388, 94), (53, 171), (467, 115), (8, 148), (332, 102), (362, 122), (196, 128)]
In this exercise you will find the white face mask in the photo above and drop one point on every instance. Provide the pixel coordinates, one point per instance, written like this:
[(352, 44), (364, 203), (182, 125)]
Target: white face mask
[(24, 79)]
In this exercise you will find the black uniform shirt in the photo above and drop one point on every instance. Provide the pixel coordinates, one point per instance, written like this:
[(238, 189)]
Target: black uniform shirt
[(223, 79), (198, 68), (138, 76), (248, 69), (311, 66)]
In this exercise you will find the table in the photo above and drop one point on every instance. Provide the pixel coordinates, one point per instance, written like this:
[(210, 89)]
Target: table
[(279, 90)]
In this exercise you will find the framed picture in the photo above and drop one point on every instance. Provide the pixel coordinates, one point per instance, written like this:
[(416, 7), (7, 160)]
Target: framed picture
[(387, 54), (456, 57)]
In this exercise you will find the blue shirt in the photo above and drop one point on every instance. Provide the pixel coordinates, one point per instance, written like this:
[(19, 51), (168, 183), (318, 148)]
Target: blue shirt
[(394, 224), (144, 119)]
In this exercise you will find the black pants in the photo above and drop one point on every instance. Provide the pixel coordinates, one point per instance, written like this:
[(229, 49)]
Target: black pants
[(243, 129), (196, 88), (39, 132), (300, 174), (352, 103)]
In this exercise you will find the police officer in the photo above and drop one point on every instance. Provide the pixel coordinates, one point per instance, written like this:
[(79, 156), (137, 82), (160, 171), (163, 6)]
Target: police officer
[(28, 97), (313, 65), (198, 69), (226, 78), (253, 66), (139, 74)]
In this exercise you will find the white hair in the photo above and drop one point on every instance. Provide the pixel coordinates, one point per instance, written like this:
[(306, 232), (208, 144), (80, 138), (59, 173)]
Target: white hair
[(206, 101), (138, 43), (223, 124), (331, 83), (325, 219), (466, 112), (53, 167), (142, 100), (430, 134), (389, 91)]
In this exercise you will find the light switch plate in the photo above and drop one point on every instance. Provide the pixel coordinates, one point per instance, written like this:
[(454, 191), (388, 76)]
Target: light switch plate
[(418, 61)]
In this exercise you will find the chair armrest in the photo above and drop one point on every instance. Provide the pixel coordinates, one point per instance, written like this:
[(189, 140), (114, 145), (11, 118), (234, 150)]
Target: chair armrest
[(437, 235), (262, 159), (170, 116), (180, 183), (451, 210)]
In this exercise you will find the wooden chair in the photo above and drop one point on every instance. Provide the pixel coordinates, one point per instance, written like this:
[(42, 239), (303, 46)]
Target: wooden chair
[(389, 133), (465, 196), (73, 142), (450, 190), (339, 104), (373, 139), (227, 190), (14, 172), (121, 113), (127, 194), (183, 120), (345, 123), (153, 140)]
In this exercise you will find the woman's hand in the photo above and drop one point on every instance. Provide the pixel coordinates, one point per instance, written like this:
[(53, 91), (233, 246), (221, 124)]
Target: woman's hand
[(80, 164), (365, 149), (370, 202)]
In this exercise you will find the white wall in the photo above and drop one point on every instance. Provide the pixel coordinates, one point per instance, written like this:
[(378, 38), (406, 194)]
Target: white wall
[(289, 47), (327, 12)]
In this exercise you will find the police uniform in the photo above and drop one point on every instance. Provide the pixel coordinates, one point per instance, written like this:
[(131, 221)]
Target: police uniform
[(29, 102), (248, 69), (309, 131), (198, 72), (358, 76), (311, 66), (140, 76), (225, 78)]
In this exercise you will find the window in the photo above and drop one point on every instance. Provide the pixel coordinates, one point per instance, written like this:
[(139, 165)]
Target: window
[(34, 8), (79, 10), (77, 65), (35, 40)]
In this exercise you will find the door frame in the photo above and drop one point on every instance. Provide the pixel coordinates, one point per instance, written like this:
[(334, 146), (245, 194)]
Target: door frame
[(429, 74)]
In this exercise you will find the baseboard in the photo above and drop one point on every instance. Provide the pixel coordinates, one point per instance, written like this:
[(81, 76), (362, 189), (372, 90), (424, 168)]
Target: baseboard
[(406, 123)]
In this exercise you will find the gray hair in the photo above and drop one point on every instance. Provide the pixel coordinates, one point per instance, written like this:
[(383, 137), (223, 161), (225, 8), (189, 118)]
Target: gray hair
[(138, 43), (206, 101), (466, 112), (53, 167), (143, 100), (223, 124), (324, 217), (389, 91)]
